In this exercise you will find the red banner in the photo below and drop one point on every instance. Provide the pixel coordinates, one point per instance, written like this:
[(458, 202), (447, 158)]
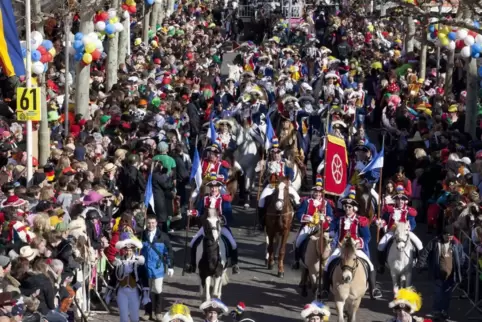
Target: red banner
[(336, 161)]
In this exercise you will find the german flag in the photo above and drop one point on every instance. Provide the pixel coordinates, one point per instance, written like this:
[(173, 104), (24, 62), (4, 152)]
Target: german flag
[(11, 58)]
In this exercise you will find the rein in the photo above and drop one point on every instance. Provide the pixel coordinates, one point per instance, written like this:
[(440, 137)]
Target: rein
[(351, 269)]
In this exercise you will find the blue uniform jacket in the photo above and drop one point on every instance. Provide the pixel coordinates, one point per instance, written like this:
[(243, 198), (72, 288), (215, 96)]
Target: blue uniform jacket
[(158, 254), (225, 206), (257, 116), (304, 208), (363, 233)]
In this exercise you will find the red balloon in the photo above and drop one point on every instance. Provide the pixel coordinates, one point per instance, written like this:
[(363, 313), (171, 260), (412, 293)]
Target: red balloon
[(132, 9), (96, 54), (125, 7), (44, 59), (472, 33), (104, 16), (49, 57), (459, 44), (435, 33), (42, 50)]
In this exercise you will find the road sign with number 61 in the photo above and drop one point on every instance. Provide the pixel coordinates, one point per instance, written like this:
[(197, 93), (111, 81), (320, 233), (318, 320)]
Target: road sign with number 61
[(28, 104)]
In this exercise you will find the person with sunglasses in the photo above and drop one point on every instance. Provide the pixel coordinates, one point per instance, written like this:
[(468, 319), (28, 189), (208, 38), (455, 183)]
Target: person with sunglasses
[(357, 227), (406, 303)]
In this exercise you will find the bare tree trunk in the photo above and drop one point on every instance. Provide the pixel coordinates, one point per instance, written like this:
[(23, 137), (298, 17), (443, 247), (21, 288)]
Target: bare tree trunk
[(155, 15), (422, 70), (471, 102), (83, 71), (410, 36), (112, 64), (41, 150), (162, 12), (124, 38), (145, 24)]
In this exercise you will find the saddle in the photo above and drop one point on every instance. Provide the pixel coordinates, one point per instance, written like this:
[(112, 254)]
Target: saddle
[(390, 243), (227, 246), (336, 262), (304, 245)]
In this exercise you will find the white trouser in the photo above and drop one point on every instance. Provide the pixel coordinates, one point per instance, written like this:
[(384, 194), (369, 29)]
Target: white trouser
[(224, 231), (237, 166), (128, 301), (155, 285), (359, 253), (305, 231), (386, 238), (268, 191)]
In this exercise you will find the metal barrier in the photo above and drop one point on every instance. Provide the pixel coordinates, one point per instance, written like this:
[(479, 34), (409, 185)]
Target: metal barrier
[(473, 276), (248, 11), (296, 11)]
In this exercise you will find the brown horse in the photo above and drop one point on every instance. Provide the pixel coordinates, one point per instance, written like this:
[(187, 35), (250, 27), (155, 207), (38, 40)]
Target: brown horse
[(279, 216), (365, 201), (311, 261)]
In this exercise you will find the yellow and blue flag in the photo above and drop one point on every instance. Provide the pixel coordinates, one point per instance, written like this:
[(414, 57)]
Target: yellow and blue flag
[(11, 58)]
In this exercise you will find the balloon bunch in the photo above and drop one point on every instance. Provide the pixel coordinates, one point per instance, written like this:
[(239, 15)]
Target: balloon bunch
[(468, 42), (129, 6), (107, 22), (43, 52), (88, 48)]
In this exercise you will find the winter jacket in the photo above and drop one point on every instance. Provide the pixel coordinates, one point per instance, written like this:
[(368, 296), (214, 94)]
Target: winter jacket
[(36, 281), (162, 190), (65, 253), (131, 184), (157, 254)]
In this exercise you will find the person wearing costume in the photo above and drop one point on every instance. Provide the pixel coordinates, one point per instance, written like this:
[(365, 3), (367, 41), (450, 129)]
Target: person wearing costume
[(213, 309), (392, 215), (222, 204), (406, 303), (311, 212), (401, 179), (129, 280), (278, 169), (212, 163), (226, 139), (178, 313), (316, 312), (357, 227)]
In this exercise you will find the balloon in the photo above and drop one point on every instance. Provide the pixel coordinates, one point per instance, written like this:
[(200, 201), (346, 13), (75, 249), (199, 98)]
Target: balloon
[(23, 44), (34, 44), (475, 55), (469, 40), (47, 44), (110, 29), (478, 39), (452, 45), (53, 52), (38, 68), (446, 29), (111, 36), (96, 54), (104, 15), (100, 26), (87, 58), (476, 24), (126, 14), (432, 36), (36, 55), (462, 33), (78, 45), (431, 28), (156, 101), (459, 44), (125, 7), (90, 47), (42, 50), (476, 48), (47, 58), (113, 20), (86, 40), (132, 9), (444, 41), (441, 35), (93, 36), (119, 27), (24, 52), (37, 36), (452, 35), (79, 36), (98, 44), (130, 2), (465, 52), (472, 33), (150, 2), (158, 1), (78, 56)]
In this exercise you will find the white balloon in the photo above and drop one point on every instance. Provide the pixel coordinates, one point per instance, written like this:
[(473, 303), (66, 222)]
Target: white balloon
[(100, 25), (119, 26), (38, 68), (126, 14), (35, 43), (465, 52), (478, 39), (112, 13), (469, 40), (462, 33), (93, 36), (37, 36), (158, 1), (452, 45), (98, 44), (86, 40)]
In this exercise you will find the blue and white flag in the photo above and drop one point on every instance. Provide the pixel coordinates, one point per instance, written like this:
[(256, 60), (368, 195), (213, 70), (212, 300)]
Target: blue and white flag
[(269, 133), (149, 198), (375, 164), (212, 134), (196, 170)]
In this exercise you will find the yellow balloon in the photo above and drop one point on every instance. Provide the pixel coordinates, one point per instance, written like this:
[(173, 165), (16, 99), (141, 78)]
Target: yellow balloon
[(114, 20), (441, 35), (130, 2), (446, 29), (53, 52), (89, 48), (444, 41), (111, 35), (87, 58)]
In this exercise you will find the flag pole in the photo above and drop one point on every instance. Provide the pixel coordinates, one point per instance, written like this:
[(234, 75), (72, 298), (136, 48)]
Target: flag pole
[(320, 264), (380, 191), (191, 205), (28, 78)]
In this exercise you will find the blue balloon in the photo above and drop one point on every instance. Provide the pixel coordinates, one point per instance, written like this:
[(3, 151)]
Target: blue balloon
[(150, 2), (24, 52), (110, 29), (78, 45), (36, 55), (452, 36), (476, 48), (79, 36), (47, 44), (431, 28), (432, 35), (475, 55), (476, 24), (78, 56)]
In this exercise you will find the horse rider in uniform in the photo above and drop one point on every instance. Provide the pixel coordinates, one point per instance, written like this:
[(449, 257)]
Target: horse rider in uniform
[(222, 204), (226, 139), (393, 215), (357, 227), (277, 169), (290, 139), (316, 312), (213, 309), (406, 303), (311, 212)]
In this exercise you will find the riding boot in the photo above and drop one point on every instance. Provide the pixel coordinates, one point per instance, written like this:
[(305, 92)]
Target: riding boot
[(234, 261), (296, 264), (158, 306), (375, 292), (381, 261), (325, 291), (261, 217)]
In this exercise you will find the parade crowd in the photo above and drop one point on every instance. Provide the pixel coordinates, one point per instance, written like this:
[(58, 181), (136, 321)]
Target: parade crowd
[(177, 140)]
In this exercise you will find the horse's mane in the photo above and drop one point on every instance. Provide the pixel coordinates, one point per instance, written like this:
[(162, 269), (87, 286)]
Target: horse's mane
[(348, 250)]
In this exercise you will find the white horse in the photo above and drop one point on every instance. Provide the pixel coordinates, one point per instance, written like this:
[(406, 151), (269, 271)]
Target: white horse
[(212, 258), (400, 257)]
